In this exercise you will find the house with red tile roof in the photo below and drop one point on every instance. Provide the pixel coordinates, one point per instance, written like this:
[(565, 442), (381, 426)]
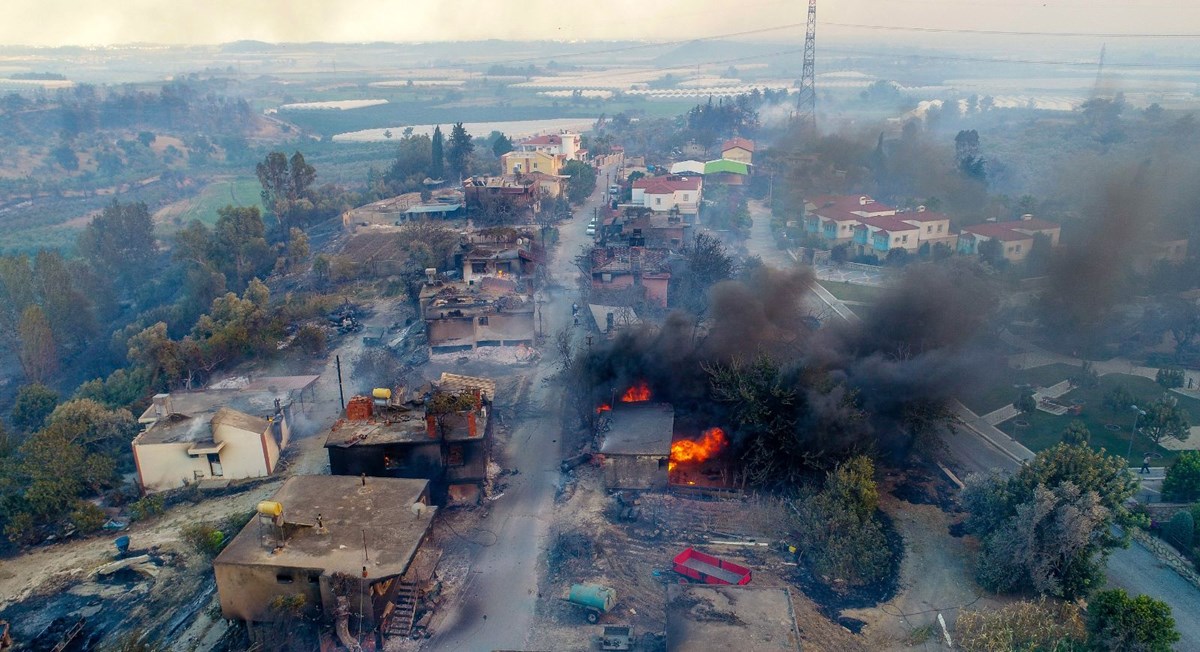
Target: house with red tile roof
[(879, 235), (935, 227), (834, 217), (566, 145), (662, 194), (1016, 237), (738, 149)]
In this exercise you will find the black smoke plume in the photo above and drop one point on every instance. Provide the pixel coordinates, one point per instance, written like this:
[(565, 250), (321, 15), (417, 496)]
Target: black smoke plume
[(845, 386)]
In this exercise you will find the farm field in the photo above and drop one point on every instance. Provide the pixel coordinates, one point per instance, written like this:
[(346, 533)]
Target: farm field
[(238, 191)]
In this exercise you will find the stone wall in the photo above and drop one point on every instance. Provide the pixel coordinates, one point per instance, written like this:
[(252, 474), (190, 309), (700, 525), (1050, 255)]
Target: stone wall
[(1165, 553)]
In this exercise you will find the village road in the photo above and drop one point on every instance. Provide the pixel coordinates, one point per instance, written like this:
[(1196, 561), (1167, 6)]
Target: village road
[(496, 606)]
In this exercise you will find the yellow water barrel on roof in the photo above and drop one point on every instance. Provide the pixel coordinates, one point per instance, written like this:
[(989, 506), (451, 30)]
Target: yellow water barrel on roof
[(270, 508), (382, 393)]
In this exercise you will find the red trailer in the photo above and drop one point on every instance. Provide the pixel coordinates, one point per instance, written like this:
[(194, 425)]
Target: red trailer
[(695, 565)]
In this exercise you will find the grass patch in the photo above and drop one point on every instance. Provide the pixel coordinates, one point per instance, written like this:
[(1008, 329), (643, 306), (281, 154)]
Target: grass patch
[(241, 191), (853, 292), (1044, 430), (1004, 386)]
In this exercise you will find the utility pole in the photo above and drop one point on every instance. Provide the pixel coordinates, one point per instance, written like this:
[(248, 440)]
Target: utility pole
[(806, 104), (341, 392)]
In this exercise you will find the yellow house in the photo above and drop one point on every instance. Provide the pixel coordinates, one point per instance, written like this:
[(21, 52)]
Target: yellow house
[(526, 162), (738, 149)]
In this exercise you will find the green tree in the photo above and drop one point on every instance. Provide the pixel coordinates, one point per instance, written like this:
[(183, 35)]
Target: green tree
[(1180, 531), (1118, 400), (1076, 433), (1164, 418), (708, 262), (1116, 621), (297, 248), (1182, 482), (239, 247), (286, 188), (39, 356), (34, 403), (458, 154), (1049, 526), (437, 168), (120, 243), (1169, 378), (501, 145), (1026, 403), (581, 181)]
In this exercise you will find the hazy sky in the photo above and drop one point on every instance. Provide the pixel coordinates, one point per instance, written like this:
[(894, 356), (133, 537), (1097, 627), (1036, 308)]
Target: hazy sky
[(103, 22)]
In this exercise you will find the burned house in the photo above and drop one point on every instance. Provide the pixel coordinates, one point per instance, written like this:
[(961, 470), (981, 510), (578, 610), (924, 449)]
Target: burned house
[(518, 192), (637, 445), (338, 546), (215, 435), (638, 227), (702, 617), (439, 433), (623, 267), (515, 261), (489, 312)]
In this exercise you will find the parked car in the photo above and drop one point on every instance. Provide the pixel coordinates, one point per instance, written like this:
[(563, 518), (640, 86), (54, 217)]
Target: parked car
[(591, 229)]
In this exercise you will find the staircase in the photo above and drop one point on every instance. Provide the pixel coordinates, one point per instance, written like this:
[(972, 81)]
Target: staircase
[(404, 609)]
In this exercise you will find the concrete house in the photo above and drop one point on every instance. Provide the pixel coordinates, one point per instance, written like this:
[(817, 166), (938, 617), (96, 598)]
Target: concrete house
[(439, 433), (1016, 237), (738, 149), (343, 543), (489, 312), (623, 267), (209, 436), (518, 162), (702, 617), (665, 194), (935, 227), (567, 145), (637, 445), (879, 235), (834, 217)]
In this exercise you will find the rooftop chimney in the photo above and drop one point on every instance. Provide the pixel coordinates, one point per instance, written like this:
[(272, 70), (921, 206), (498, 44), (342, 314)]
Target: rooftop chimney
[(1026, 217), (431, 273), (863, 200), (162, 405), (921, 208)]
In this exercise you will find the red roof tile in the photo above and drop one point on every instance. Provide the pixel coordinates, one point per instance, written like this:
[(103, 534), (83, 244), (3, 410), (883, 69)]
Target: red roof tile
[(923, 216), (888, 223), (547, 139), (1012, 230), (745, 144), (666, 185), (861, 203)]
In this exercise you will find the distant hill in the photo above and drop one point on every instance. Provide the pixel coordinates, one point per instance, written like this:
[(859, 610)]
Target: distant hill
[(708, 51)]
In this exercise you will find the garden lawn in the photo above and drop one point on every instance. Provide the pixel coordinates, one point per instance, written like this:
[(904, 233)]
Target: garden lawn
[(1044, 429), (242, 191), (1004, 386)]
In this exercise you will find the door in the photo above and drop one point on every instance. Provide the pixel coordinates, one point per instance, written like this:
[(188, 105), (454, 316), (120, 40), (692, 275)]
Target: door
[(214, 465)]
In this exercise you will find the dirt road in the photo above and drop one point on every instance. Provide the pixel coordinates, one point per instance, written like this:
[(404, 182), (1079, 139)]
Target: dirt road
[(495, 609)]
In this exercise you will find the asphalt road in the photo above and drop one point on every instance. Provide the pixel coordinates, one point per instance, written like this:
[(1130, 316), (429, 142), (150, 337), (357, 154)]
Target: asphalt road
[(1134, 569), (495, 609)]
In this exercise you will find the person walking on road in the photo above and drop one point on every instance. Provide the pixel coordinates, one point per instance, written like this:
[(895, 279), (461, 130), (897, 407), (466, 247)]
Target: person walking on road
[(1145, 464)]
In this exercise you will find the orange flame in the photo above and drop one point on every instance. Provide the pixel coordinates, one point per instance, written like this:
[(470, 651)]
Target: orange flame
[(687, 450), (636, 394), (604, 407)]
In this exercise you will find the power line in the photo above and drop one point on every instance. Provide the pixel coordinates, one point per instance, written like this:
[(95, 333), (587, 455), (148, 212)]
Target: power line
[(1050, 62), (997, 32)]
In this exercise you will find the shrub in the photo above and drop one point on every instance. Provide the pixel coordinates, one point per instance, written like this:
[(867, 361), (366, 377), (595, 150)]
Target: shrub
[(1023, 625), (1076, 433), (1180, 530), (312, 339), (87, 517), (205, 538), (1025, 402), (1116, 621), (147, 507), (1169, 378), (1182, 482)]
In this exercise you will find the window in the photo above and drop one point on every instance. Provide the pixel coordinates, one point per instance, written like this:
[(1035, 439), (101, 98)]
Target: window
[(929, 229), (686, 197), (478, 268), (483, 321), (283, 578), (939, 228), (1018, 247), (904, 239), (658, 201), (314, 578), (896, 240)]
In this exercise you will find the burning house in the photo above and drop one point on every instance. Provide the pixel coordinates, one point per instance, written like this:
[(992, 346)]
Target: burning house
[(706, 617), (215, 435), (490, 312), (439, 433), (338, 546), (637, 445)]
